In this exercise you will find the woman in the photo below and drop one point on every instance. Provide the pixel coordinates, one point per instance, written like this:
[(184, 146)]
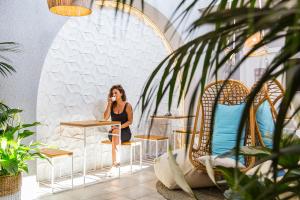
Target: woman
[(119, 110)]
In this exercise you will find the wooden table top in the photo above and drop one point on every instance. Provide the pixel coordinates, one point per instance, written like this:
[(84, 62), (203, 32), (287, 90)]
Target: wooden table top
[(171, 116), (89, 123), (52, 153)]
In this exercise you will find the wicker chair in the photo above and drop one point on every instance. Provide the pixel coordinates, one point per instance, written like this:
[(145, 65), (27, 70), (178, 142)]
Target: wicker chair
[(233, 93), (272, 92)]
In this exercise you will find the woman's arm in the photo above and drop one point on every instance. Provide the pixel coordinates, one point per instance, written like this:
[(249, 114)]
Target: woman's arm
[(130, 116), (106, 114)]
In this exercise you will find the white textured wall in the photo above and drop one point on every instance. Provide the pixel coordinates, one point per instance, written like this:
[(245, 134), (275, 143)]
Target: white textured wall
[(87, 57)]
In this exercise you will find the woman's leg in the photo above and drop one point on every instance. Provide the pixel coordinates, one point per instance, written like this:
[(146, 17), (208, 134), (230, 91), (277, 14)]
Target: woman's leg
[(115, 142)]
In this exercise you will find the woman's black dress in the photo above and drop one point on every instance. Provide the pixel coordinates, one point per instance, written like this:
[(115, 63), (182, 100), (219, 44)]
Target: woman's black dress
[(123, 118)]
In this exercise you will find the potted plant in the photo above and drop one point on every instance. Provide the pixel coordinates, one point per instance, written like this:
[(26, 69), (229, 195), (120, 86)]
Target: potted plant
[(14, 154)]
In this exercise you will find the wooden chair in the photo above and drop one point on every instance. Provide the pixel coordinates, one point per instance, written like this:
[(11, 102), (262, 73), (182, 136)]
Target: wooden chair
[(272, 92), (233, 93), (53, 154)]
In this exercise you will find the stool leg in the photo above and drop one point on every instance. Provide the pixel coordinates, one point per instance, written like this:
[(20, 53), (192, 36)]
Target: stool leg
[(59, 171), (141, 155), (95, 152), (52, 174), (181, 141), (167, 145), (174, 141), (101, 154), (156, 148), (96, 157), (120, 156), (150, 149), (134, 153), (72, 159), (131, 150)]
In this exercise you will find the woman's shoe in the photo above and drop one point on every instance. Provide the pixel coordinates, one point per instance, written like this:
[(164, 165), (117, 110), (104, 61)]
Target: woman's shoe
[(114, 170)]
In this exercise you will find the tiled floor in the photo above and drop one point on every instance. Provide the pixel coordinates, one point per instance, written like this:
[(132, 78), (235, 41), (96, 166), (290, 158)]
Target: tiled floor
[(139, 186)]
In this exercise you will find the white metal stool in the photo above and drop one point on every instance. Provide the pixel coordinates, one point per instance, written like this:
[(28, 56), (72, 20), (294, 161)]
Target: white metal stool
[(154, 138), (133, 145), (182, 134), (57, 153)]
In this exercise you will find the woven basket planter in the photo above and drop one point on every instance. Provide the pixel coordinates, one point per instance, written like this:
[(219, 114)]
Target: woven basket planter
[(10, 185)]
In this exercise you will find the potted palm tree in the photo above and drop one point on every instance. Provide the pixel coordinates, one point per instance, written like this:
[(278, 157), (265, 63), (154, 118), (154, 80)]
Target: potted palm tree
[(14, 154)]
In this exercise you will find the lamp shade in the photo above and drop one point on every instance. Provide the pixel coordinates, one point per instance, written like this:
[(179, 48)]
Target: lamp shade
[(251, 42), (71, 7)]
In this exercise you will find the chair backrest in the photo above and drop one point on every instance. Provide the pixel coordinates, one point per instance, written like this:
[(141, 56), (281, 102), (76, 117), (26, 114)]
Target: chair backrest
[(272, 92), (232, 92)]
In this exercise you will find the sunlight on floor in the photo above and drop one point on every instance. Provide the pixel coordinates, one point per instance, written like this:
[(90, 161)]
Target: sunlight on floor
[(31, 189)]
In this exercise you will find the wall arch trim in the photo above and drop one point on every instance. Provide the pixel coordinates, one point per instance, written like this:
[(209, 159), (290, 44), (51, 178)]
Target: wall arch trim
[(152, 17)]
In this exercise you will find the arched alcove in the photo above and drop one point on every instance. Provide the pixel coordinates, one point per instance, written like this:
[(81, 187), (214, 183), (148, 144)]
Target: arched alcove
[(88, 55)]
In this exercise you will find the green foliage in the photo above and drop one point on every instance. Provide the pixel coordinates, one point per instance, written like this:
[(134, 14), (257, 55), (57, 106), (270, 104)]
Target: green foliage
[(5, 66), (13, 153), (261, 185)]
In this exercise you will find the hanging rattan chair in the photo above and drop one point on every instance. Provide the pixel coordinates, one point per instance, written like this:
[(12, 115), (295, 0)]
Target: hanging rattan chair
[(272, 92), (232, 93)]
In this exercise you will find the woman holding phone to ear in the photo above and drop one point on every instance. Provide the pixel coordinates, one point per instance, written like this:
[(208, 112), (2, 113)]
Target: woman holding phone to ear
[(119, 110)]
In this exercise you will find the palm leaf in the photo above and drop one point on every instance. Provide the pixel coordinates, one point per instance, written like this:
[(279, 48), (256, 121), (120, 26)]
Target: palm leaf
[(5, 67)]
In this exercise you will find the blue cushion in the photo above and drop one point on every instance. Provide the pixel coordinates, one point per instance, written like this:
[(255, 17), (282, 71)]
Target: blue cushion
[(226, 125), (265, 123)]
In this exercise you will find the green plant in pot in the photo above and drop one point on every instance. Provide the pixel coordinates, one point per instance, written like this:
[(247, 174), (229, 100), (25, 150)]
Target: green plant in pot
[(14, 154)]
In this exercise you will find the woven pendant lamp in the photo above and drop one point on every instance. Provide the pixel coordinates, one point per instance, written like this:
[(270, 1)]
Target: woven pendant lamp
[(71, 7), (252, 41)]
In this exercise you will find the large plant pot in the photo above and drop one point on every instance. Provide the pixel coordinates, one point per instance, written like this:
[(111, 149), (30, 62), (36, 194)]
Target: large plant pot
[(10, 187)]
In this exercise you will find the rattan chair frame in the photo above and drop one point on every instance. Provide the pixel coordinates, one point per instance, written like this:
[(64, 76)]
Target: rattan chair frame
[(272, 92), (233, 93)]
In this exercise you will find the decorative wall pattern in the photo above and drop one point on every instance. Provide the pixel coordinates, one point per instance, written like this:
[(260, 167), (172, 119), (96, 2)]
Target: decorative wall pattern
[(87, 57)]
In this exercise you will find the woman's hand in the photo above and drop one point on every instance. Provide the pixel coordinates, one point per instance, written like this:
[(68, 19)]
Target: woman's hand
[(106, 113), (114, 130), (109, 100)]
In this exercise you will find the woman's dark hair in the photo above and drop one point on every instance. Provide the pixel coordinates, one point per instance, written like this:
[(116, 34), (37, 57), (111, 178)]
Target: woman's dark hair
[(121, 90)]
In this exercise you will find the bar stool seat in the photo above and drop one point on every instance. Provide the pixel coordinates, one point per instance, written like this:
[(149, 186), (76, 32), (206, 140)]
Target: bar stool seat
[(151, 137), (53, 153), (154, 138), (57, 153), (182, 131)]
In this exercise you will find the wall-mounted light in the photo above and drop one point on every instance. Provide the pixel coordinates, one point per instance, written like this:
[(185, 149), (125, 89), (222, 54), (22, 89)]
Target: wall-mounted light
[(71, 7)]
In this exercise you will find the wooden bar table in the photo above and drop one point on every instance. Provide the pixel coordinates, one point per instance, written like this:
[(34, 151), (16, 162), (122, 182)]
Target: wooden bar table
[(172, 117), (89, 124)]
